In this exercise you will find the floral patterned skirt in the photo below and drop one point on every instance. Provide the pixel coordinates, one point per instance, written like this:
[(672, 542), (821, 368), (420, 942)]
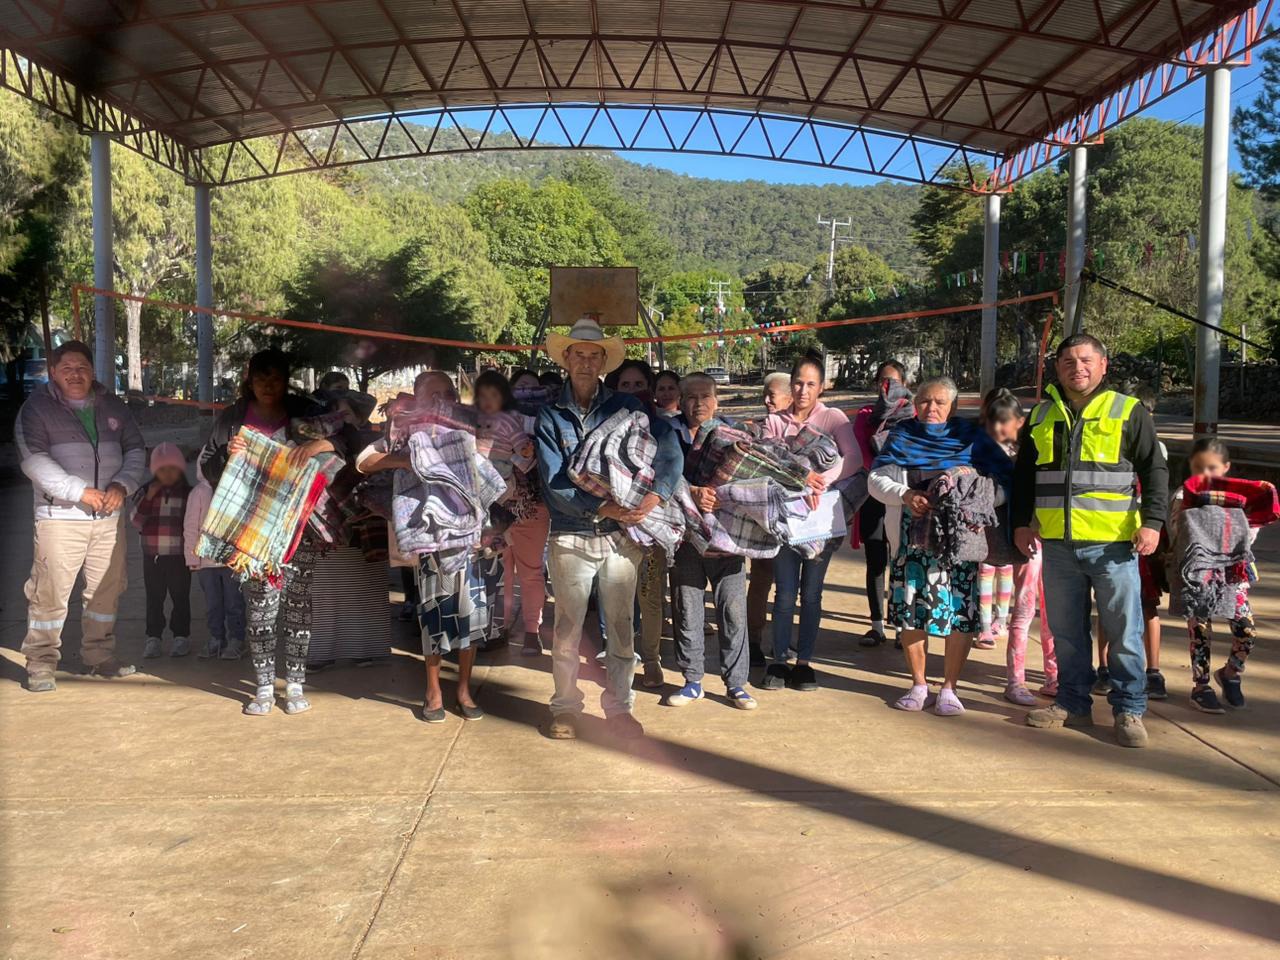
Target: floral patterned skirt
[(924, 595)]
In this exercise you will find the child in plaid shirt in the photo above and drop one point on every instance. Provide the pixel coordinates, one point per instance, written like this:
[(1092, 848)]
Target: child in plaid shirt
[(158, 514)]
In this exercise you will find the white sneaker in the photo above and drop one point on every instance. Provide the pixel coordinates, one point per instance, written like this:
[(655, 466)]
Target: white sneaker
[(232, 651), (151, 649), (181, 647), (210, 651)]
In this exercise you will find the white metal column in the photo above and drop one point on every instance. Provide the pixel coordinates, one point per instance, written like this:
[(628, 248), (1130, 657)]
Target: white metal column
[(1213, 243), (990, 290), (204, 294), (1077, 197), (104, 308)]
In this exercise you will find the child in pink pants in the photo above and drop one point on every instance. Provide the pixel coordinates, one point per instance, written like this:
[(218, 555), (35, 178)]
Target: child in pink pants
[(1008, 576)]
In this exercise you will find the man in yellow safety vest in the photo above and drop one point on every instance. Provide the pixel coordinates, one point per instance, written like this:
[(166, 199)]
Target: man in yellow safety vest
[(1091, 490)]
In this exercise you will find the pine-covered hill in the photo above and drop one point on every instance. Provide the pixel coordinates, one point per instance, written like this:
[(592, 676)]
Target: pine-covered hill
[(734, 225)]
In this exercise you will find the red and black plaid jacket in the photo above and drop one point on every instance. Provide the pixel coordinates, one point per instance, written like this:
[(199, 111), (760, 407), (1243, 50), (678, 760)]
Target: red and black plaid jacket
[(159, 519)]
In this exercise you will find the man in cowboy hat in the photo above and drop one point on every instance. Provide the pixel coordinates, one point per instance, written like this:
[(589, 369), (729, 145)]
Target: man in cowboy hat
[(587, 540)]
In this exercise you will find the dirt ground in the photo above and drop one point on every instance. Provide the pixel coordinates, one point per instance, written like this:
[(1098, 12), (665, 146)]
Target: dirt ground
[(147, 818)]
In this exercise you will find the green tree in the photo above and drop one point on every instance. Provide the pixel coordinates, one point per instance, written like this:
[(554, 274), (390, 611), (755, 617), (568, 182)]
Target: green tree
[(1257, 129), (40, 163), (643, 245), (531, 229), (396, 294)]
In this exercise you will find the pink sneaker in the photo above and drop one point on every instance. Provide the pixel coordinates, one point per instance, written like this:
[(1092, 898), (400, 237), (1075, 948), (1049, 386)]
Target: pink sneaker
[(1050, 689)]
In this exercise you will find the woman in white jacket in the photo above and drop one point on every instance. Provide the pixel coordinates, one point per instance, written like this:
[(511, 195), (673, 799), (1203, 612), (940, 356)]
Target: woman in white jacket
[(927, 597)]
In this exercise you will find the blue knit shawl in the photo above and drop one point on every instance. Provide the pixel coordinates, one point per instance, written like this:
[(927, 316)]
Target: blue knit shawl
[(939, 446)]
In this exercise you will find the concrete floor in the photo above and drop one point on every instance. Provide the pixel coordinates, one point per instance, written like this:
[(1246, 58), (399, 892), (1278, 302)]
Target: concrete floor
[(146, 818)]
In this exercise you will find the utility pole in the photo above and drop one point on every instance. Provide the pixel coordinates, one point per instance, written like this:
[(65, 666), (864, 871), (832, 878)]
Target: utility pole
[(835, 225), (718, 289)]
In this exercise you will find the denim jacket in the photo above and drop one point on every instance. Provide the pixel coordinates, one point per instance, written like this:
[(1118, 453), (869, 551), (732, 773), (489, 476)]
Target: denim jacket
[(561, 427)]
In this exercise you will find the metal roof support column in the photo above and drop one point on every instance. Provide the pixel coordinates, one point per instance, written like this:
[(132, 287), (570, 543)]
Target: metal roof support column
[(104, 308), (1077, 197), (990, 290), (1213, 240), (204, 294)]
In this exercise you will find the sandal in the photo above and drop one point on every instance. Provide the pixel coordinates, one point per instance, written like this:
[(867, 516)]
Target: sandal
[(914, 699), (948, 704), (261, 703), (985, 642), (294, 699)]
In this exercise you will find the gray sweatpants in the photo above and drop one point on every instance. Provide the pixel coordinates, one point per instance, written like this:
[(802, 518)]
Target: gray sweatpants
[(728, 579)]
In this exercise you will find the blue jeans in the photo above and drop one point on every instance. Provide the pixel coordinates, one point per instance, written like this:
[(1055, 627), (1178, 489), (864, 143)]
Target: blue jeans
[(224, 604), (793, 575), (1074, 575)]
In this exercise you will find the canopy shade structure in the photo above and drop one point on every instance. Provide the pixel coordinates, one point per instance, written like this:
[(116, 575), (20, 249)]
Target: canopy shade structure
[(229, 90)]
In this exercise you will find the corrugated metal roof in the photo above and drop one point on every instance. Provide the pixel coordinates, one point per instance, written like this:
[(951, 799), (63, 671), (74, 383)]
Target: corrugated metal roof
[(992, 74)]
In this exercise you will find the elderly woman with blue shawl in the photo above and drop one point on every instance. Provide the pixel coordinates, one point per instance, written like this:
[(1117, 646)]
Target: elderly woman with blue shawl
[(934, 578)]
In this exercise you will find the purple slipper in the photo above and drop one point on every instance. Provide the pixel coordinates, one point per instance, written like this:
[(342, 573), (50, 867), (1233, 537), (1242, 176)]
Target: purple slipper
[(913, 700), (948, 704)]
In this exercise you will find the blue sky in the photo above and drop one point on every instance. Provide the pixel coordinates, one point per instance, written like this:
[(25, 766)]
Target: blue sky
[(1185, 105)]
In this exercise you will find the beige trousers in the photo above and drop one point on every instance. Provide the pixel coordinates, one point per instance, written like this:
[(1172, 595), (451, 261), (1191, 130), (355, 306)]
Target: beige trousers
[(62, 549)]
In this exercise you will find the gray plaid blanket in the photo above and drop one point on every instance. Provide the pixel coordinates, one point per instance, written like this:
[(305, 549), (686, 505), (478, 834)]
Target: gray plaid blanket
[(615, 460), (441, 506)]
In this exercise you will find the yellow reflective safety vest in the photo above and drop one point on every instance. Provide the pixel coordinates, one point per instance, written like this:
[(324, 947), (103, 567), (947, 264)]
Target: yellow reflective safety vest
[(1085, 487)]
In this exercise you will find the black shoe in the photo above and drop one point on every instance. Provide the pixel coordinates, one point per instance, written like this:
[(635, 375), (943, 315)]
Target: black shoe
[(494, 643), (775, 678), (470, 713), (320, 665), (1155, 686), (802, 678), (433, 716), (757, 655), (1102, 685), (872, 638), (1205, 700), (1231, 689), (897, 644), (532, 645)]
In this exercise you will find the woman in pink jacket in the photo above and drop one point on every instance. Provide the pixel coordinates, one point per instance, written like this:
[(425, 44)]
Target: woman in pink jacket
[(793, 573)]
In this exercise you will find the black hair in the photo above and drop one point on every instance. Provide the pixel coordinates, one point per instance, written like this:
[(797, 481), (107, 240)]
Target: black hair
[(1082, 340), (892, 365), (71, 346), (262, 363), (1146, 396), (810, 360), (665, 373), (494, 379), (334, 380), (646, 371), (1212, 445), (551, 378), (522, 372), (1000, 405)]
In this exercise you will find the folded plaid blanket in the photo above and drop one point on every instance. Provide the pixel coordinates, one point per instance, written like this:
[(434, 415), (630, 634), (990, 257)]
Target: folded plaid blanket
[(615, 460), (1257, 498), (815, 447), (1212, 562), (441, 506), (723, 454), (962, 506), (749, 520), (261, 507)]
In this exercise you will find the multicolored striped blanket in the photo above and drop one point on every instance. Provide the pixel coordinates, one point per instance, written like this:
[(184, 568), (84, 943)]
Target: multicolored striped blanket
[(261, 506)]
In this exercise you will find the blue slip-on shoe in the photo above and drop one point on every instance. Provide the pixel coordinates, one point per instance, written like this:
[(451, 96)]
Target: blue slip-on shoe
[(686, 694)]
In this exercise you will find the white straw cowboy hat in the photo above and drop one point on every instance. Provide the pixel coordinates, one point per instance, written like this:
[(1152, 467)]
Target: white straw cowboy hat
[(587, 330)]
